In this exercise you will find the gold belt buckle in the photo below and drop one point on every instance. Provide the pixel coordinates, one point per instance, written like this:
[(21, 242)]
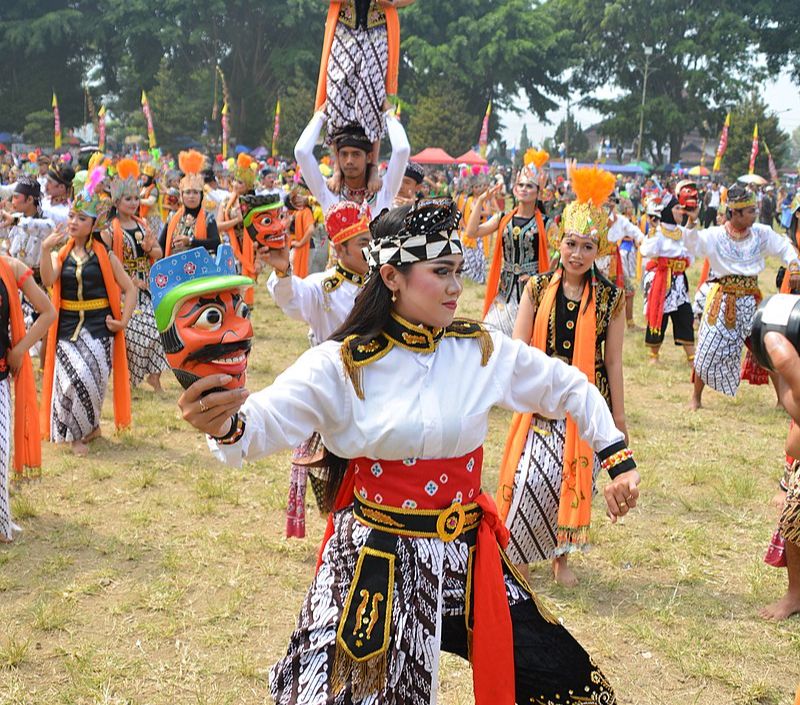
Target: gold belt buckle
[(451, 522)]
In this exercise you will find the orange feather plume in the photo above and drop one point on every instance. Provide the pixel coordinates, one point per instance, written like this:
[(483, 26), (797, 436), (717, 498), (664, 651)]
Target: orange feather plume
[(127, 169), (538, 157), (191, 162), (592, 184), (243, 161)]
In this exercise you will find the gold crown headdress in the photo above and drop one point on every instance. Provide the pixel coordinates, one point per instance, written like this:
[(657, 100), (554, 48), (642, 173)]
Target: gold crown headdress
[(126, 180), (585, 216), (191, 163)]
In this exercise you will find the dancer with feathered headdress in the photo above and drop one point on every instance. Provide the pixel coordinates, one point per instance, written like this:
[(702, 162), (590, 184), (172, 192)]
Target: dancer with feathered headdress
[(548, 474), (136, 246), (89, 285), (520, 249)]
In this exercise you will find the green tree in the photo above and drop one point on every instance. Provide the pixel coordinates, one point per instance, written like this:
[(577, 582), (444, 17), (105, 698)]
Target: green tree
[(778, 26), (38, 128), (297, 104), (702, 61), (524, 140), (485, 49), (744, 116), (578, 142), (40, 45), (440, 118)]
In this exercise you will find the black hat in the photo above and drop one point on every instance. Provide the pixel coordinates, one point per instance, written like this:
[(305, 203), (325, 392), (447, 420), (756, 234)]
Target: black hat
[(415, 171), (61, 174), (669, 202), (28, 186), (352, 136)]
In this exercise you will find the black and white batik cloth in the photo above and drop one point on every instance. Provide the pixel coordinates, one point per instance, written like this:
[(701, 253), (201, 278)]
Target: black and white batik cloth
[(142, 342), (356, 79), (677, 294), (475, 264), (502, 315), (718, 358), (80, 381), (7, 527), (533, 515), (427, 617)]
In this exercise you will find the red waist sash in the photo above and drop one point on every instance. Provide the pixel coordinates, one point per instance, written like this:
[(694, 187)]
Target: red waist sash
[(425, 485), (664, 268)]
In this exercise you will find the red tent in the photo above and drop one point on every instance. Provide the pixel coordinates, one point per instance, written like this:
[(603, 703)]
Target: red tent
[(433, 155), (472, 158)]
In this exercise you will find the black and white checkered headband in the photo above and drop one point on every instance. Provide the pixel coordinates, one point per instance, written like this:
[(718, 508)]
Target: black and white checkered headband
[(429, 231)]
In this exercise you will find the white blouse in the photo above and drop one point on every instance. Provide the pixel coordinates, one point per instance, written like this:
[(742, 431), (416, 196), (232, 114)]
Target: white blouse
[(660, 245), (742, 257), (306, 300), (417, 405)]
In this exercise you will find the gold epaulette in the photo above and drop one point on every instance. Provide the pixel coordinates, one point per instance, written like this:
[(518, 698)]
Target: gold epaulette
[(357, 355), (464, 328), (332, 283)]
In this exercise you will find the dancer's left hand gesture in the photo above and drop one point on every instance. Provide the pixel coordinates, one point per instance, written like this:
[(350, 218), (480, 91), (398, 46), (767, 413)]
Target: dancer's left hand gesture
[(622, 494)]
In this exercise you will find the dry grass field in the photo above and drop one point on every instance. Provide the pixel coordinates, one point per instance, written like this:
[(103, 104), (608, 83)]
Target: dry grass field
[(147, 574)]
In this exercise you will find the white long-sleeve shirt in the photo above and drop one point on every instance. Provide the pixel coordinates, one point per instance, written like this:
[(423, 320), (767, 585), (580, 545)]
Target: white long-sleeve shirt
[(416, 405), (307, 300), (623, 228), (660, 245), (25, 238), (742, 257), (392, 179)]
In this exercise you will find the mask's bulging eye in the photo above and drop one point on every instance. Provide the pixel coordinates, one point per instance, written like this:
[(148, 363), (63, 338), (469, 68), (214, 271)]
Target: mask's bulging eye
[(210, 318), (242, 310)]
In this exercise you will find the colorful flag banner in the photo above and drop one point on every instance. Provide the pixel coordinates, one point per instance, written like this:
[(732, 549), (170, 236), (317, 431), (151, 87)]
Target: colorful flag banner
[(101, 128), (225, 130), (277, 131), (56, 123), (754, 150), (148, 115), (483, 140), (773, 171), (723, 144)]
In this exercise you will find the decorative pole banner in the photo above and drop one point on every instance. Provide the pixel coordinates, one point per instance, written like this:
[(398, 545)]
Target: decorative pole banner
[(773, 171), (56, 123), (277, 131), (101, 129), (754, 150), (723, 143), (483, 141), (151, 134), (225, 129)]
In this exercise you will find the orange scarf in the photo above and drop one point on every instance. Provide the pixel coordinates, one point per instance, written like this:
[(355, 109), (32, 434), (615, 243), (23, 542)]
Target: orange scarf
[(27, 443), (493, 282), (704, 273), (144, 209), (575, 504), (122, 383), (118, 238), (393, 36), (200, 232), (244, 253), (302, 220)]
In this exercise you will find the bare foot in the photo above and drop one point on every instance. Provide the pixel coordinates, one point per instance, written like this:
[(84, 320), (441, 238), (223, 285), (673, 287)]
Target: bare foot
[(154, 380), (695, 403), (80, 448), (654, 360), (563, 574), (96, 433), (788, 605)]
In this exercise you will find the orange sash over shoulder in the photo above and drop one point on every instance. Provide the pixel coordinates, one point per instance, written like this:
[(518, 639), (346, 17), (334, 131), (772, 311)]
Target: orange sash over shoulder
[(118, 239), (302, 220), (122, 382), (27, 439), (200, 231), (575, 503), (244, 253), (493, 282), (393, 36)]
